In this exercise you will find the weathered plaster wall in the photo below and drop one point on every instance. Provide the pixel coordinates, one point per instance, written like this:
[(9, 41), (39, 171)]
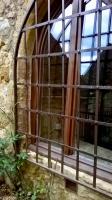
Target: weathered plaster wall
[(11, 16)]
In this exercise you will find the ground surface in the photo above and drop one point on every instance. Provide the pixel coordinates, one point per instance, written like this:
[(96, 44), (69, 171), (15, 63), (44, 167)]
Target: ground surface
[(5, 193)]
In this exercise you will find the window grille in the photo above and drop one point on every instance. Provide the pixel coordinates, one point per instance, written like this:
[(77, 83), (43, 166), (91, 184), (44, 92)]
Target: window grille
[(63, 86)]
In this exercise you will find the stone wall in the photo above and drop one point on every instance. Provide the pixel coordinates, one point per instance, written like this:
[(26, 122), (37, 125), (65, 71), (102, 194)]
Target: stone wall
[(11, 17), (58, 188)]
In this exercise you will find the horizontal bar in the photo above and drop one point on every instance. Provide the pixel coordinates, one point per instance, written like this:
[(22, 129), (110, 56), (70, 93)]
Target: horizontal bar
[(89, 121), (90, 35), (88, 87), (84, 160), (65, 53), (62, 144), (94, 122), (79, 14)]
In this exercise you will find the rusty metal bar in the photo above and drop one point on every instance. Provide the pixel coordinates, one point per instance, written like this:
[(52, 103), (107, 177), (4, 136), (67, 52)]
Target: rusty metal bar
[(27, 89), (97, 95), (92, 35), (63, 81), (61, 144), (37, 89), (64, 53), (95, 122), (78, 63), (90, 87), (49, 89), (68, 17)]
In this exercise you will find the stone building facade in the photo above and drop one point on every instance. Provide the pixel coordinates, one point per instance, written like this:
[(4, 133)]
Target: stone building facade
[(11, 16)]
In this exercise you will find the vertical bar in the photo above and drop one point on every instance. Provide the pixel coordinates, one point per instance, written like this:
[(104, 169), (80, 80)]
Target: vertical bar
[(97, 95), (63, 80), (78, 63), (27, 89), (49, 92), (37, 80), (30, 94)]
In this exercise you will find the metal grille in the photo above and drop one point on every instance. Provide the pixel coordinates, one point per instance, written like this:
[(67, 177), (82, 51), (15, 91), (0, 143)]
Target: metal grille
[(71, 90)]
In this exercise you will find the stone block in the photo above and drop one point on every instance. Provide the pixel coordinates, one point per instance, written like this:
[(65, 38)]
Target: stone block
[(4, 27)]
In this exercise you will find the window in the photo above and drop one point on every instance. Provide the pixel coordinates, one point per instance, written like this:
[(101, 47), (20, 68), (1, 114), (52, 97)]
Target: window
[(63, 86)]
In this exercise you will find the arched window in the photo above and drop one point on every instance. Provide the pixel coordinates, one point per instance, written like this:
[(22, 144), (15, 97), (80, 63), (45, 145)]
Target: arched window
[(63, 85)]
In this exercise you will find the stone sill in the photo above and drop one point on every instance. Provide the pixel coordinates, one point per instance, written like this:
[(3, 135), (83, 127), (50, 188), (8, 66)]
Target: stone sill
[(69, 173)]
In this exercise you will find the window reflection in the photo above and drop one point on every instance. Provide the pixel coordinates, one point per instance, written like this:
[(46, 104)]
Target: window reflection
[(89, 33), (88, 66)]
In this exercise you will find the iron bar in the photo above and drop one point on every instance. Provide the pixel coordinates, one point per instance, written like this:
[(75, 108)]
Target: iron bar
[(63, 81), (61, 144), (95, 122), (89, 87), (37, 88), (65, 53), (66, 17)]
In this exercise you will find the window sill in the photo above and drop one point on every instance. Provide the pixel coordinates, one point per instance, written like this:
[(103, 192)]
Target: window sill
[(104, 172)]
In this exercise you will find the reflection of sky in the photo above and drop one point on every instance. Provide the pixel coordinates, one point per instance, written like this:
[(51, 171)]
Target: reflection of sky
[(90, 21)]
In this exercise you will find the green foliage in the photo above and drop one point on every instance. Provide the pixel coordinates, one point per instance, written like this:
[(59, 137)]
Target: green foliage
[(38, 192), (10, 166), (10, 162)]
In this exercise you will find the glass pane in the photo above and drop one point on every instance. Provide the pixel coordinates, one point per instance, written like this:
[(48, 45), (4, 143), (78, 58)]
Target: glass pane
[(91, 5), (42, 12), (51, 127), (86, 56), (45, 97), (105, 21), (67, 46), (67, 32), (105, 106), (56, 30), (42, 70), (86, 131), (86, 43), (106, 68), (56, 100), (84, 69), (105, 141), (68, 10), (87, 104), (104, 40), (111, 22), (110, 38), (88, 68), (87, 29), (96, 41)]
